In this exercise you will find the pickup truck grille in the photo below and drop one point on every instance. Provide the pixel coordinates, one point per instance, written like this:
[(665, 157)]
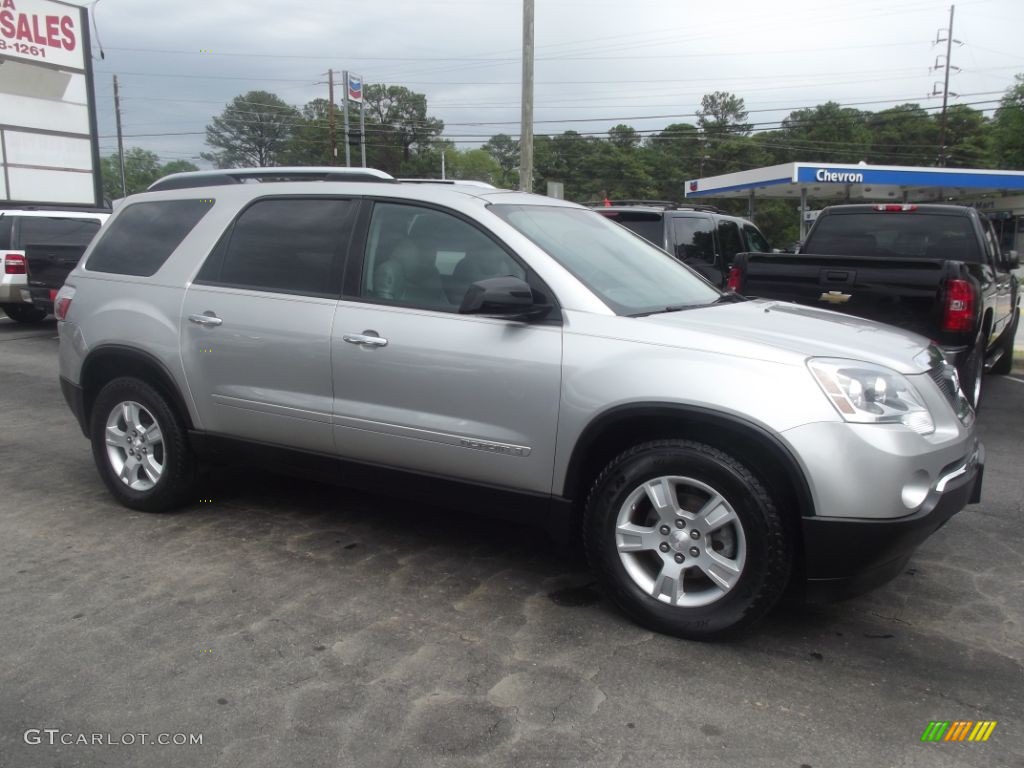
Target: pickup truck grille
[(944, 376)]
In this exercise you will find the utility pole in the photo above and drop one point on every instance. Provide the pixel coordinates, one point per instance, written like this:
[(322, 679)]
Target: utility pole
[(945, 88), (330, 118), (120, 139), (526, 129), (348, 148)]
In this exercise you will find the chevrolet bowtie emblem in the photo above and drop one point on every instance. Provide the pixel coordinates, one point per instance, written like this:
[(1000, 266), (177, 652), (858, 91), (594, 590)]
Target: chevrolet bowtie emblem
[(835, 297)]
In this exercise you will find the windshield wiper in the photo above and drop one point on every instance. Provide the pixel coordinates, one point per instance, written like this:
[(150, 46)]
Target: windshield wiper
[(670, 308), (730, 298)]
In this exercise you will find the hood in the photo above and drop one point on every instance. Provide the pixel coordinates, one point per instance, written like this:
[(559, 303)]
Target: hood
[(802, 331)]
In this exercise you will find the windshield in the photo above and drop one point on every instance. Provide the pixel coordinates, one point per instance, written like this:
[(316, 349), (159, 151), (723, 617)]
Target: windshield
[(629, 274)]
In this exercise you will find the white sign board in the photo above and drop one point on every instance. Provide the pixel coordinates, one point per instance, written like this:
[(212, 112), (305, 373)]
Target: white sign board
[(48, 147)]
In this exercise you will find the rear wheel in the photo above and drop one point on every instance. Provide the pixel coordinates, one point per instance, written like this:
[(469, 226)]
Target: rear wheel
[(1005, 363), (686, 540), (24, 313), (140, 447)]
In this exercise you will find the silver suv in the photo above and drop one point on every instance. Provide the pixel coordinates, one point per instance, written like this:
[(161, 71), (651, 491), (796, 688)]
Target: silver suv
[(520, 356)]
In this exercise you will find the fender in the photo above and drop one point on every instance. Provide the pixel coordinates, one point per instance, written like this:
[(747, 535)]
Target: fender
[(702, 417)]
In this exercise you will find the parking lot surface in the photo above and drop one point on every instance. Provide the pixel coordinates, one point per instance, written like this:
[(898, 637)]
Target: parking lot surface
[(297, 624)]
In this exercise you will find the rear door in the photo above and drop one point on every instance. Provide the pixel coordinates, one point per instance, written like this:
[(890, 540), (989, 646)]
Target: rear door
[(256, 323), (421, 387)]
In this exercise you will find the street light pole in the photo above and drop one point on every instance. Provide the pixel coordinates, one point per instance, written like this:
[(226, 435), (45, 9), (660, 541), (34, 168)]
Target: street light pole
[(526, 129)]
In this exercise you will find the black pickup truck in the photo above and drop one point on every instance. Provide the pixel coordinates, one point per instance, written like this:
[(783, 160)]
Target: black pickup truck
[(934, 269)]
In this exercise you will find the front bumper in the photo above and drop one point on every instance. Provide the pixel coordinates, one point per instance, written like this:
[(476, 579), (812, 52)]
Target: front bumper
[(848, 556)]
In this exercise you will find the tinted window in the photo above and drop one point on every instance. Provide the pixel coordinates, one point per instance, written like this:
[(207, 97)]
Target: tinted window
[(625, 272), (755, 240), (143, 235), (5, 231), (901, 234), (694, 239), (426, 258), (52, 230), (649, 226), (293, 246), (729, 240)]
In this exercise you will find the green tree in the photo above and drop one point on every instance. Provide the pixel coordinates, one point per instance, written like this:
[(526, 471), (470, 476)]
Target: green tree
[(968, 143), (826, 133), (472, 164), (1008, 127), (722, 112), (254, 130), (398, 127), (505, 150), (902, 135), (310, 140), (141, 168)]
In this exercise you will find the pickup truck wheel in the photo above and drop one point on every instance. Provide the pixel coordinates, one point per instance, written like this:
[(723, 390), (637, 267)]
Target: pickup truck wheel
[(140, 447), (686, 540), (24, 313), (1005, 363)]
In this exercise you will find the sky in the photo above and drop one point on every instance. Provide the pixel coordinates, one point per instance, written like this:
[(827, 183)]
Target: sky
[(645, 63)]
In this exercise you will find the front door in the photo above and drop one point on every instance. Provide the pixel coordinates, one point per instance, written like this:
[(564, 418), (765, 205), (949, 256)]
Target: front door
[(421, 387), (256, 324)]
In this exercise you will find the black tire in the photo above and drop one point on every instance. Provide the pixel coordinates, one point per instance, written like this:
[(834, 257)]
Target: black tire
[(177, 480), (1005, 363), (972, 372), (24, 313), (768, 544)]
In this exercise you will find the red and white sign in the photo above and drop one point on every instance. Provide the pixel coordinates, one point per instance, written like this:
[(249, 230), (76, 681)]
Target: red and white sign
[(42, 31)]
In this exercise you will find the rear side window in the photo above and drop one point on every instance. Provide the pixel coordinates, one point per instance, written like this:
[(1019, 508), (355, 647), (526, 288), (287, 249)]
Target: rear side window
[(141, 238), (694, 239), (55, 230), (293, 245), (648, 225)]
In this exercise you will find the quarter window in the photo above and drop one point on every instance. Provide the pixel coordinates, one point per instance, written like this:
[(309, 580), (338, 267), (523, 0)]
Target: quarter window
[(291, 245), (425, 258), (143, 235)]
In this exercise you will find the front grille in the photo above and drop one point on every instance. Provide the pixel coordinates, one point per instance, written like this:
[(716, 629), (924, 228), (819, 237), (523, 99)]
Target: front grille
[(944, 376)]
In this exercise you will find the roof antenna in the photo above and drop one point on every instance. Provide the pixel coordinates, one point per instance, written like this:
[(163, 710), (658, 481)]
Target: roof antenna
[(96, 28)]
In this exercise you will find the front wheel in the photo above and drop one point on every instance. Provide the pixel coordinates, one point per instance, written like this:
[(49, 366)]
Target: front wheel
[(686, 540), (24, 313), (140, 447)]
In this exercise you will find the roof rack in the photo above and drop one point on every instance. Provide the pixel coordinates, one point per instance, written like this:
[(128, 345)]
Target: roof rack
[(668, 205), (461, 182), (225, 176)]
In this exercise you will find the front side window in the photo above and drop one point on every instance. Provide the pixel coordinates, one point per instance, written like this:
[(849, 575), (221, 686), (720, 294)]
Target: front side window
[(425, 258), (626, 272), (755, 240), (694, 240), (293, 245), (143, 235)]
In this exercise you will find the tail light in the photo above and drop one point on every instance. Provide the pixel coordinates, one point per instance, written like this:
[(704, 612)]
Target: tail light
[(958, 316), (14, 264), (735, 280), (62, 304)]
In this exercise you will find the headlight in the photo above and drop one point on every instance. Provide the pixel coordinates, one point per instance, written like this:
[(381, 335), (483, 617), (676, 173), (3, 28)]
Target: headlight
[(865, 393)]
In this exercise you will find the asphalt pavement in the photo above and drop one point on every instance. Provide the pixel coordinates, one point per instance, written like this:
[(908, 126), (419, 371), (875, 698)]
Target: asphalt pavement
[(295, 624)]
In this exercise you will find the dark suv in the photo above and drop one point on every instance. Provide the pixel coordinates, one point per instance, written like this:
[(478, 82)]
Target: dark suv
[(702, 237)]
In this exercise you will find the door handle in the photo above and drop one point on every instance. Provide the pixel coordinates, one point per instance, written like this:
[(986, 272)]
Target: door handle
[(365, 339), (205, 319)]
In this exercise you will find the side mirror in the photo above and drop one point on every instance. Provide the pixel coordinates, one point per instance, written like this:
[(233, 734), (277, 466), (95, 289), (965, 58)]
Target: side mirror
[(1012, 259), (507, 297)]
